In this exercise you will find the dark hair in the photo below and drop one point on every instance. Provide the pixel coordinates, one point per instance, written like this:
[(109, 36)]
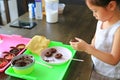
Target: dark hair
[(103, 3)]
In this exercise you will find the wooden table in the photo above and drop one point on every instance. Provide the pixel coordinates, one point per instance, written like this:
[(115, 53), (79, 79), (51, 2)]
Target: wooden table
[(76, 21)]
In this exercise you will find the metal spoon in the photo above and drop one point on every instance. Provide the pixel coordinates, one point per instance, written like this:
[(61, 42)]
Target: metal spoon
[(44, 64), (77, 59)]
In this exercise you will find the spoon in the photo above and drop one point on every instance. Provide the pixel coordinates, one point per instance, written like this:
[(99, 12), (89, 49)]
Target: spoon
[(77, 59), (44, 64)]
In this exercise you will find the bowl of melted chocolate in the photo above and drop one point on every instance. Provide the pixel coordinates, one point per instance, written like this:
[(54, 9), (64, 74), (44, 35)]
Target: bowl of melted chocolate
[(23, 64)]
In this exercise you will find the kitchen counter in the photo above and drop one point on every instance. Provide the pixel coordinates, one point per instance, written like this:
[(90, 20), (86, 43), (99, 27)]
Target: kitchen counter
[(76, 21)]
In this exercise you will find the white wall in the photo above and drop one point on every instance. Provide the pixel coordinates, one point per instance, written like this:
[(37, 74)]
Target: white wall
[(13, 9), (2, 11)]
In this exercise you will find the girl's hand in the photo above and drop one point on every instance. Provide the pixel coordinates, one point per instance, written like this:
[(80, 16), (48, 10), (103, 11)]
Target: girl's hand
[(79, 44)]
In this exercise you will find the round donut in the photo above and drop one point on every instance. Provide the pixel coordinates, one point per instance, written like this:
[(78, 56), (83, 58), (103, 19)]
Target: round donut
[(48, 54), (58, 55)]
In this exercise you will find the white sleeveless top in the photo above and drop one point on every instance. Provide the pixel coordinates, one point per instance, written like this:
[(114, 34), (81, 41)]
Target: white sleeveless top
[(103, 42)]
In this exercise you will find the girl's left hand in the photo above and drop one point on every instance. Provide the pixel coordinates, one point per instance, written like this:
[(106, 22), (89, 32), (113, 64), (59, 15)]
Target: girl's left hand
[(79, 44)]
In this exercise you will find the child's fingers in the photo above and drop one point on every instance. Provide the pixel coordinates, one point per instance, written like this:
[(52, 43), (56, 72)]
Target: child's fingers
[(78, 39)]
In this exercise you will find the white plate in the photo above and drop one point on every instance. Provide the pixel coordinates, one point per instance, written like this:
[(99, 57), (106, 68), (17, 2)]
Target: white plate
[(66, 55)]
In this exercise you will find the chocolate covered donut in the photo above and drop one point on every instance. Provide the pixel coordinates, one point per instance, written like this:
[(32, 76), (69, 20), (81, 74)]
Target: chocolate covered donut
[(74, 40), (53, 50), (58, 55), (48, 54)]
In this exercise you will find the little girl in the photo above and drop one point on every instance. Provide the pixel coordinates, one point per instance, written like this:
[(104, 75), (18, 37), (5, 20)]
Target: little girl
[(105, 46)]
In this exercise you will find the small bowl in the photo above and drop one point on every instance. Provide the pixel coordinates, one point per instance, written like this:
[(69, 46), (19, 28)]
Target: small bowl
[(61, 8), (23, 64)]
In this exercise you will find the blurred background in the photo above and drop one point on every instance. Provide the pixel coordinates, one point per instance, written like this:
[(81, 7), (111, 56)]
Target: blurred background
[(12, 9)]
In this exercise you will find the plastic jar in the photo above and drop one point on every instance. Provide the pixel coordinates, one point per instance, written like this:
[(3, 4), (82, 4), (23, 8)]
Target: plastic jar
[(51, 7)]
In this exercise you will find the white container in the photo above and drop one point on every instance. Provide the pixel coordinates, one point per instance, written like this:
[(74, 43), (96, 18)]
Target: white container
[(51, 7), (61, 8), (38, 9), (31, 10)]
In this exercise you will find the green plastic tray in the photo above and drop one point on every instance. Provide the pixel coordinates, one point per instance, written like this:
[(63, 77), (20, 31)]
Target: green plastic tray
[(44, 73)]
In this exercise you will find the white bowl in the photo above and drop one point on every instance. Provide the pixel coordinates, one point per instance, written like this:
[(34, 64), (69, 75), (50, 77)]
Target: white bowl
[(61, 7)]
